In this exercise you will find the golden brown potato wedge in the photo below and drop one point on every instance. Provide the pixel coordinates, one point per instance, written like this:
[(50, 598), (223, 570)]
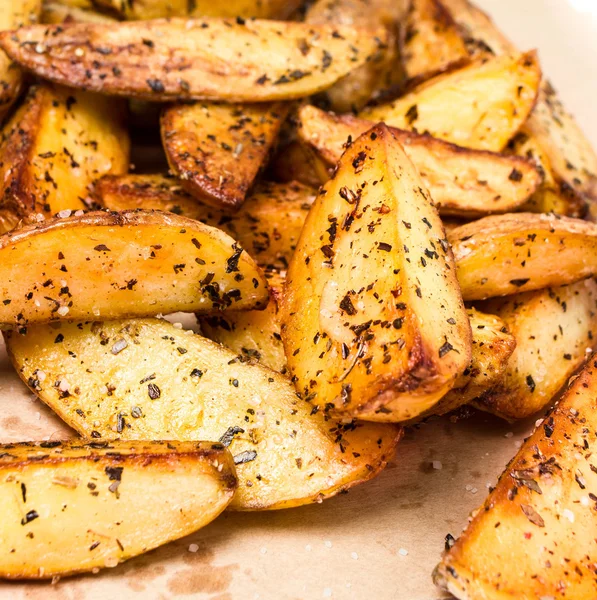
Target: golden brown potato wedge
[(104, 265), (462, 182), (56, 145), (56, 12), (252, 334), (13, 14), (217, 150), (239, 61), (480, 106), (72, 507), (294, 162), (534, 536), (158, 381), (268, 224), (554, 328), (508, 254), (372, 319), (430, 40)]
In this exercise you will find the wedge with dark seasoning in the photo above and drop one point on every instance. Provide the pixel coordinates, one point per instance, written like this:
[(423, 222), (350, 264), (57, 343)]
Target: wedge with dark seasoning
[(534, 536), (200, 59), (554, 328), (480, 106), (103, 265), (217, 150), (158, 381), (462, 182), (267, 225), (74, 507), (373, 322), (508, 254)]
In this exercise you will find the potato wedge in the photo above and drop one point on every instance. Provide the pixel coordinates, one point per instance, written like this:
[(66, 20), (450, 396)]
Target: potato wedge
[(13, 14), (252, 61), (554, 329), (462, 182), (430, 40), (372, 320), (480, 106), (173, 384), (513, 253), (73, 507), (534, 536), (55, 12), (252, 334), (268, 224), (294, 162), (103, 265), (217, 150), (56, 145)]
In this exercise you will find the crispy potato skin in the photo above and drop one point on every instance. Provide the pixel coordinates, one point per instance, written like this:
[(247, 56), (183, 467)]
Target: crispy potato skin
[(534, 252), (487, 103), (252, 61), (57, 143), (217, 150), (71, 507), (371, 310), (534, 536), (173, 384), (553, 329), (111, 265), (462, 182), (54, 13), (268, 225)]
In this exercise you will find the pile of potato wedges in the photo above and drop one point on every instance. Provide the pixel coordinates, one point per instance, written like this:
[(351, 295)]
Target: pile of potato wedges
[(378, 212)]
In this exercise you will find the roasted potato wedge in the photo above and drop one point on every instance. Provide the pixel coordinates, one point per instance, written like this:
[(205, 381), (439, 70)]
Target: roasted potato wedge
[(239, 61), (217, 150), (173, 384), (534, 536), (254, 335), (508, 254), (462, 182), (13, 14), (268, 224), (72, 507), (554, 328), (430, 40), (480, 106), (56, 12), (104, 265), (56, 145), (372, 320), (294, 162)]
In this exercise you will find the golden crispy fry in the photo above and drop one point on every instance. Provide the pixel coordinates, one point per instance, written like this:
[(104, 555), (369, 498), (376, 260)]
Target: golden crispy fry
[(158, 381), (13, 14), (238, 61), (56, 145), (534, 536), (462, 182), (268, 224), (103, 265), (430, 39), (508, 254), (217, 150), (57, 12), (72, 507), (373, 322), (480, 106), (553, 329)]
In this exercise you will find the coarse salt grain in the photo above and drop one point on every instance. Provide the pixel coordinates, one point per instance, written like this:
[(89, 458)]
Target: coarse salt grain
[(263, 550), (403, 552), (354, 555), (328, 544), (509, 434), (63, 311), (327, 593), (584, 501), (437, 465), (193, 548), (568, 514), (308, 547)]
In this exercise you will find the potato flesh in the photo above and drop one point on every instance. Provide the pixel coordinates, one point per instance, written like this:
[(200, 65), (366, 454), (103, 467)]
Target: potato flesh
[(109, 265), (252, 61), (462, 182), (268, 224), (70, 507), (371, 310), (487, 103), (173, 384), (553, 329), (534, 536), (534, 252)]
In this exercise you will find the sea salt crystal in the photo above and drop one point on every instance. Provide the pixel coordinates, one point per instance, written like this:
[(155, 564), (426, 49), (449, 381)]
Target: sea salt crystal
[(354, 555), (63, 311), (263, 550), (328, 544), (193, 548), (509, 434), (327, 593), (568, 514), (437, 465), (403, 552)]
